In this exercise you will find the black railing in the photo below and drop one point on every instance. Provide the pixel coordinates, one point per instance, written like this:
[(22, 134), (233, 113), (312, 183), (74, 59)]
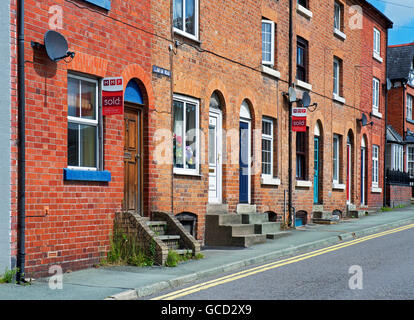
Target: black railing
[(399, 177)]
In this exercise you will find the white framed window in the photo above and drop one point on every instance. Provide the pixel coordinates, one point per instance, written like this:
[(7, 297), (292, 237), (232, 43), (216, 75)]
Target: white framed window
[(336, 76), (397, 154), (186, 136), (409, 107), (83, 123), (267, 147), (337, 16), (268, 42), (335, 158), (375, 162), (410, 160), (186, 18), (377, 42), (375, 95)]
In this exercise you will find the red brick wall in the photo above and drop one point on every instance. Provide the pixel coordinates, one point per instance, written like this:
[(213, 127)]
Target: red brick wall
[(398, 195), (76, 232)]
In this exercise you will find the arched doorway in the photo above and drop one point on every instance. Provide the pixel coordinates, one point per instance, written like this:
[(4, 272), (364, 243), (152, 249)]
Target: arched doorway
[(133, 147), (245, 154), (318, 161), (215, 149)]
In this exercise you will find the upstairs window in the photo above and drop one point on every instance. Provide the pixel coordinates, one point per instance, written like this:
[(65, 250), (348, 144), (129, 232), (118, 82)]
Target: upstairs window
[(409, 107), (105, 4), (377, 42), (337, 76), (337, 16), (303, 3), (375, 95), (302, 60), (268, 42), (186, 18)]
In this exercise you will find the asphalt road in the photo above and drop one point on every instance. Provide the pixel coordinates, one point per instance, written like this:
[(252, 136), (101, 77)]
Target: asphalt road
[(379, 268)]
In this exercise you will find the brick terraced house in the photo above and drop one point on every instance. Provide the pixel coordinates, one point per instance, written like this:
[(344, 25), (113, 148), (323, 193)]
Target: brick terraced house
[(400, 145), (204, 128)]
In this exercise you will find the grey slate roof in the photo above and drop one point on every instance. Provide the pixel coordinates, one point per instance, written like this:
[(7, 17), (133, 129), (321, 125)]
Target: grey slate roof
[(393, 136), (399, 59)]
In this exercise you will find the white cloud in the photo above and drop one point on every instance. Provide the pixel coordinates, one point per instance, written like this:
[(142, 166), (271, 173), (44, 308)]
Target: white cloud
[(400, 15)]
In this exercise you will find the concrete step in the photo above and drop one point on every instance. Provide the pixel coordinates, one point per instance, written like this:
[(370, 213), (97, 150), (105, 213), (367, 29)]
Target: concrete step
[(217, 208), (172, 241), (226, 219), (242, 229), (317, 208), (325, 221), (248, 240), (356, 214), (158, 227), (267, 228), (277, 235), (246, 208), (254, 218), (321, 215)]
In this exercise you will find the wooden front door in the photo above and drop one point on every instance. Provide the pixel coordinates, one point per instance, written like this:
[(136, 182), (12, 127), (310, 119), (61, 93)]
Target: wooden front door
[(132, 160)]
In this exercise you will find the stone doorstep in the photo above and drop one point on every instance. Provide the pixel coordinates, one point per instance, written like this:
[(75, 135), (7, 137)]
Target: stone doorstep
[(246, 208), (217, 208), (276, 235)]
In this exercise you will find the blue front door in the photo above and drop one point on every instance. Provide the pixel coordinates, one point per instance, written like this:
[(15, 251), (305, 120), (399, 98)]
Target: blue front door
[(244, 163), (316, 172)]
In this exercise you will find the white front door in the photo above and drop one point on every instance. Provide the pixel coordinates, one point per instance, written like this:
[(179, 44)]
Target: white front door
[(215, 157)]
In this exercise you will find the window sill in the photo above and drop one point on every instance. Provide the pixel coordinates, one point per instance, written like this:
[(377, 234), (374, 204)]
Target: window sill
[(376, 190), (187, 35), (376, 114), (338, 186), (339, 34), (303, 183), (270, 72), (182, 172), (410, 121), (304, 12), (377, 57), (268, 180), (303, 85), (338, 98), (86, 175)]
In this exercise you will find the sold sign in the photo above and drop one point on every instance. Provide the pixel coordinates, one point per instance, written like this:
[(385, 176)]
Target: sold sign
[(112, 96), (299, 119)]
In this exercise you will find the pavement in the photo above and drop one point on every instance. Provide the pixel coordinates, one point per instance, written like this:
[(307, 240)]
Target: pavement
[(127, 282)]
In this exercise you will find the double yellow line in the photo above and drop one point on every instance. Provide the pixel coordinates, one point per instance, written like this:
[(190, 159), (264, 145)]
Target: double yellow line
[(242, 274)]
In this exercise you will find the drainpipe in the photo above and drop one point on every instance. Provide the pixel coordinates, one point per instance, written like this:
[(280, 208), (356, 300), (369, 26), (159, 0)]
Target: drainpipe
[(21, 162), (290, 109), (384, 190)]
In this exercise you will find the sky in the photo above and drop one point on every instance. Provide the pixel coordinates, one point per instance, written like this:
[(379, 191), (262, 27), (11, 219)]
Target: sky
[(401, 12)]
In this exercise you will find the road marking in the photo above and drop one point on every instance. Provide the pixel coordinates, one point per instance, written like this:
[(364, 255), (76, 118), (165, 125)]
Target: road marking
[(274, 265)]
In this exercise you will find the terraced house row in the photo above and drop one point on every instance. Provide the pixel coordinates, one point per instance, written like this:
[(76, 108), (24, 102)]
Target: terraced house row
[(204, 127)]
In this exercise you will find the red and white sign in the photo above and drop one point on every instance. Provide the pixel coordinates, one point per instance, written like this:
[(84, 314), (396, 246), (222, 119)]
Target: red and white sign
[(112, 96), (299, 119)]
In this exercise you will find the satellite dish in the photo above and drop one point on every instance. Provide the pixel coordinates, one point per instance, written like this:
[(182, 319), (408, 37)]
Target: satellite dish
[(292, 94), (56, 46), (364, 120), (306, 100)]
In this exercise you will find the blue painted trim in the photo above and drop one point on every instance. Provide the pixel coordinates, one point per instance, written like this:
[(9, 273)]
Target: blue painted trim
[(133, 93), (106, 4), (86, 175)]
